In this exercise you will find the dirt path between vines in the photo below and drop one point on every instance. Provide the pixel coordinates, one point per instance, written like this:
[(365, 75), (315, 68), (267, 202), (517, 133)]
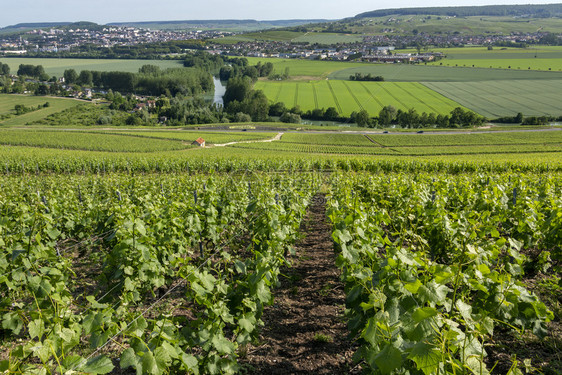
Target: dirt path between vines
[(276, 138), (305, 331)]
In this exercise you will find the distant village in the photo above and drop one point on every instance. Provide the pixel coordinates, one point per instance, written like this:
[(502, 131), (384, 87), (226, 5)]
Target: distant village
[(373, 48), (63, 40)]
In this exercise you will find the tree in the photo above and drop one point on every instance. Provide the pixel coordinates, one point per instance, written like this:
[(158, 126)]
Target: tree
[(133, 120), (237, 89), (362, 118), (70, 76), (277, 109), (331, 114), (242, 117), (86, 78), (252, 72), (257, 106), (42, 89), (150, 70), (35, 71), (290, 118), (386, 115), (4, 69)]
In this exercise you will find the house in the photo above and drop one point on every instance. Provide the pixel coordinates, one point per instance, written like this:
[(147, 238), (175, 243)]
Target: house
[(199, 142), (140, 107)]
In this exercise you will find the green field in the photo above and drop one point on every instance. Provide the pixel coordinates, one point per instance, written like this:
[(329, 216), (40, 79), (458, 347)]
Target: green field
[(306, 68), (9, 101), (505, 98), (348, 97), (545, 58), (554, 64), (540, 51), (57, 67), (429, 73)]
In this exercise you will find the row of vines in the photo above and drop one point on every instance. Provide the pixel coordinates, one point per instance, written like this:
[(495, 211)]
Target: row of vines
[(159, 274), (434, 266)]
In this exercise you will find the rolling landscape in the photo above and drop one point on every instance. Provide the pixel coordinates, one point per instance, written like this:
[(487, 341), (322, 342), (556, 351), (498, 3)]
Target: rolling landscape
[(371, 193)]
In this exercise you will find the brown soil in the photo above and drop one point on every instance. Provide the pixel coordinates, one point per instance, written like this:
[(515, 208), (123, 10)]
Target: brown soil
[(305, 330)]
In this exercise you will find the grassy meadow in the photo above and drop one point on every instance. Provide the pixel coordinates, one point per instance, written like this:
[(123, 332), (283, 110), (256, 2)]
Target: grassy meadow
[(307, 69), (9, 101), (56, 67)]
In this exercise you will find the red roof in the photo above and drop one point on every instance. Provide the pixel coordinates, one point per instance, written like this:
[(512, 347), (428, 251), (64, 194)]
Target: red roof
[(200, 140)]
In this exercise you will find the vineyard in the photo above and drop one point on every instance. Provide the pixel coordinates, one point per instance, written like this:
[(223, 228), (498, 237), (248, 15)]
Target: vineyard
[(129, 251), (175, 269), (164, 273)]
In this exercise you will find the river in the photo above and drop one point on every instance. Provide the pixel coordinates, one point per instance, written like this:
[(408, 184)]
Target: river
[(220, 89)]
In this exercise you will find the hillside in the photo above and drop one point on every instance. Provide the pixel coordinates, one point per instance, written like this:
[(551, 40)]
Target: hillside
[(538, 10), (226, 25)]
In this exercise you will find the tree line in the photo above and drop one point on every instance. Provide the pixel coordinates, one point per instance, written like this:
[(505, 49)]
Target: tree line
[(365, 77), (150, 80)]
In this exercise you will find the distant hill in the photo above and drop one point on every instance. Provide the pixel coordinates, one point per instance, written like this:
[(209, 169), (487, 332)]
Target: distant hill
[(22, 27), (225, 25), (231, 25), (534, 10)]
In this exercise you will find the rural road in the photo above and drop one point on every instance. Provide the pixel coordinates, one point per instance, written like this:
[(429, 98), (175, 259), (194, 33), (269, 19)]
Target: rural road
[(276, 138)]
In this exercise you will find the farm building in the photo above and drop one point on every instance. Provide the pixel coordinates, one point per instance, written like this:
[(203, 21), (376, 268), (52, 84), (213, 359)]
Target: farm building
[(199, 142)]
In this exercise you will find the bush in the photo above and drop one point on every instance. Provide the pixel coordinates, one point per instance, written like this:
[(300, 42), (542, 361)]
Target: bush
[(242, 117), (290, 118)]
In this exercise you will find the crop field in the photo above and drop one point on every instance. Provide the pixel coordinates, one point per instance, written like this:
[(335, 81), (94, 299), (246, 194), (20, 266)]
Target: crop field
[(9, 101), (504, 98), (535, 58), (305, 68), (554, 64), (348, 97), (57, 67), (432, 73), (540, 51)]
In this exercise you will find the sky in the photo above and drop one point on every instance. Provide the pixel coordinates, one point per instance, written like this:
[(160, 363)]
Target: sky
[(105, 11)]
